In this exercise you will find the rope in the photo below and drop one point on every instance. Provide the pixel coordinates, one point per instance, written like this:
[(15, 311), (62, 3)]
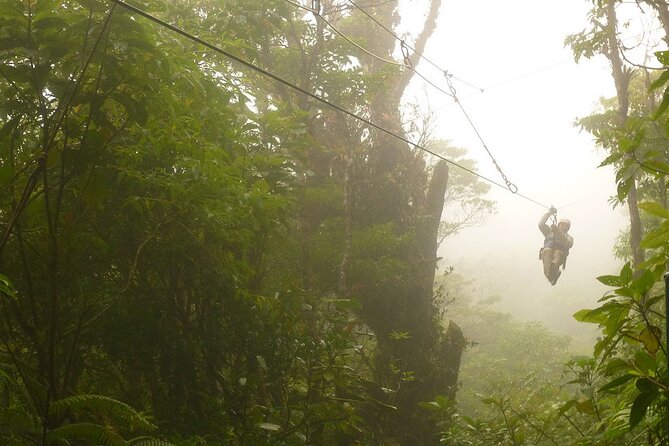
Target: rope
[(404, 45), (512, 187)]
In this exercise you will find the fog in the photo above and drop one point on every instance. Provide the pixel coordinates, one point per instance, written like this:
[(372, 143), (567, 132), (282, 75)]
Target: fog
[(526, 119)]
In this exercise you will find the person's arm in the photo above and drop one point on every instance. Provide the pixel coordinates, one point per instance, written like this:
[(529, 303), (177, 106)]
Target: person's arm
[(543, 227), (570, 240), (565, 238)]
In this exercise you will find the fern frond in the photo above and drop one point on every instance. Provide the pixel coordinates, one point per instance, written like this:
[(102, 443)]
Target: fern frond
[(15, 442), (13, 421), (88, 432), (103, 404), (148, 441), (5, 378)]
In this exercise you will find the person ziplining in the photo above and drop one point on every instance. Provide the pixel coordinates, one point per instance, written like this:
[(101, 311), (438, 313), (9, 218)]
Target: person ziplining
[(557, 243)]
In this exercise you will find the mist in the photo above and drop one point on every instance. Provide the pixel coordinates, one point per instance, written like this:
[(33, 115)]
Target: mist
[(533, 92)]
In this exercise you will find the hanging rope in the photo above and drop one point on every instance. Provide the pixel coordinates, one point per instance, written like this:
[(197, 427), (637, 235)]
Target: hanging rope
[(512, 187)]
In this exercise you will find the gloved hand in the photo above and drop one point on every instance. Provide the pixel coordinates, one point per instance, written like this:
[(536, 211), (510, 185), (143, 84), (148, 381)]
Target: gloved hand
[(552, 210)]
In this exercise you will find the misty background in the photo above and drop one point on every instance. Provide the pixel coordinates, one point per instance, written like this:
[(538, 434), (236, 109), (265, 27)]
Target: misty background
[(533, 93)]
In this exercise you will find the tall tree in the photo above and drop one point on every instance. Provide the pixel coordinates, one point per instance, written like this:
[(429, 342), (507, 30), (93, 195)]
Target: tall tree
[(390, 197), (603, 39)]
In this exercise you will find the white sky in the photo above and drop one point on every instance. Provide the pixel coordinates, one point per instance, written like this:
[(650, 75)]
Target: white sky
[(527, 123)]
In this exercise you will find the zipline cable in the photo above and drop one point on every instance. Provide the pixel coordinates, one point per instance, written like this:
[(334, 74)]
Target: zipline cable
[(407, 62), (512, 187), (403, 43), (345, 37), (279, 79)]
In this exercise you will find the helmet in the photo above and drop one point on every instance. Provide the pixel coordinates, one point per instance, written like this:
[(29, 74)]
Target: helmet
[(565, 221)]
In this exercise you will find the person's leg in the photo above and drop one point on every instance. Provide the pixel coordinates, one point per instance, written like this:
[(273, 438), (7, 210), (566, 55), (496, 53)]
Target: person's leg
[(547, 259), (558, 258)]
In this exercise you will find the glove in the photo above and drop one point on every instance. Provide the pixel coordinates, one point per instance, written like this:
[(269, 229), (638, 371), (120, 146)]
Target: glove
[(552, 210)]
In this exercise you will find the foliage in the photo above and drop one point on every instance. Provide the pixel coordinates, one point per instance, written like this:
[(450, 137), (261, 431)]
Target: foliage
[(510, 379), (626, 379), (195, 251)]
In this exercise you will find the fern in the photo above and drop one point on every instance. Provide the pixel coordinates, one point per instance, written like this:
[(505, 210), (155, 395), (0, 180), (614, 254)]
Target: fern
[(14, 421), (93, 433), (148, 441), (101, 404), (15, 442), (6, 287)]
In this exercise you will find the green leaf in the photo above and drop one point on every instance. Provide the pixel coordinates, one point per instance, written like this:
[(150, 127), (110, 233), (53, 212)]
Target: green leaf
[(614, 281), (616, 382), (645, 385), (147, 46), (109, 406), (51, 22), (148, 441), (649, 303), (269, 426), (624, 187), (654, 208), (640, 406), (568, 405), (585, 406), (663, 105), (617, 317), (649, 337), (628, 145), (18, 73), (662, 57), (664, 77), (595, 316), (655, 166), (431, 405), (135, 109), (644, 362), (6, 175), (612, 158), (19, 421), (347, 304), (644, 283), (6, 287), (87, 433), (615, 365), (626, 273), (655, 238)]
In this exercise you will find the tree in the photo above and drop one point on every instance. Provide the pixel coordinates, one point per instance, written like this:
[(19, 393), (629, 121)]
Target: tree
[(191, 239), (379, 195), (602, 39)]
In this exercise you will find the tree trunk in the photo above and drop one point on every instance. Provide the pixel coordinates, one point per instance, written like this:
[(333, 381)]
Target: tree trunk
[(622, 76), (397, 192), (663, 14)]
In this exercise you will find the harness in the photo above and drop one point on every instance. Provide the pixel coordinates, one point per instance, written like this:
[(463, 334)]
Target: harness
[(553, 241)]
